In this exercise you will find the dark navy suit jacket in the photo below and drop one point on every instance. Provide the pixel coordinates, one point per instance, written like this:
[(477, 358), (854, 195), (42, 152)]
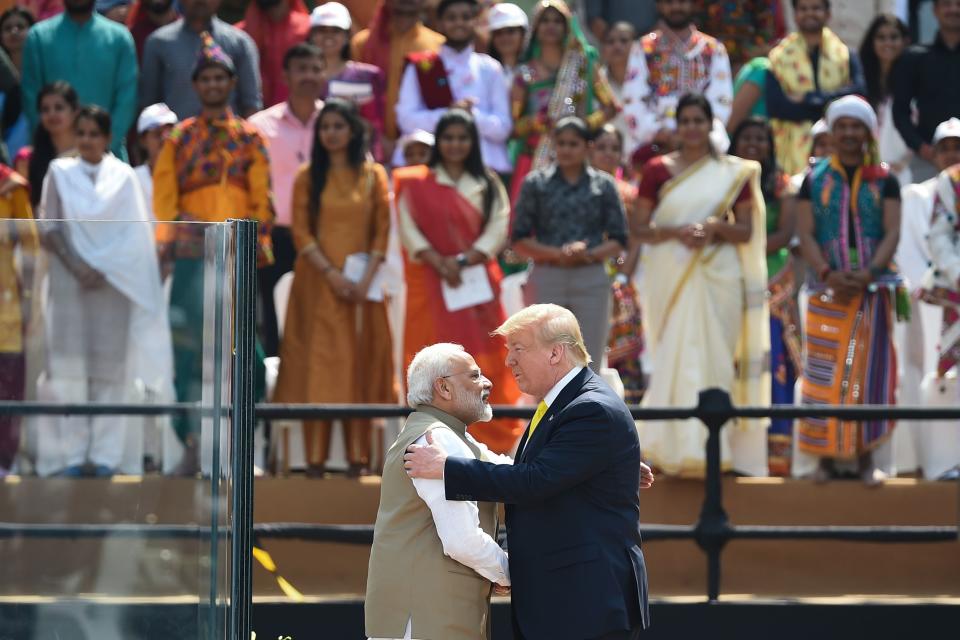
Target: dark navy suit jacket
[(573, 511)]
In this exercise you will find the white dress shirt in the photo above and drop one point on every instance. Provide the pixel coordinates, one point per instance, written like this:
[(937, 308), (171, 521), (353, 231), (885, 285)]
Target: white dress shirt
[(471, 75), (551, 396), (458, 522)]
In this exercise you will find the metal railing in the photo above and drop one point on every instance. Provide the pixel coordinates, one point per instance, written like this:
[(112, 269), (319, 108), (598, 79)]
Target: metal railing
[(712, 531)]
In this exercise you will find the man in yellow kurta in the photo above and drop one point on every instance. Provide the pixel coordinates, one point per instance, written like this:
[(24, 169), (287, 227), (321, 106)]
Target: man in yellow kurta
[(395, 31), (212, 168), (809, 68)]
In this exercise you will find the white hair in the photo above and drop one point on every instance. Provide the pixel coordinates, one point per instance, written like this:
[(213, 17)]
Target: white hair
[(429, 364)]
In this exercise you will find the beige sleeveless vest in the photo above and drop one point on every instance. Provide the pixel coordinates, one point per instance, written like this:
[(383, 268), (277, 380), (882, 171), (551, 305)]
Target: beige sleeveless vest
[(408, 574)]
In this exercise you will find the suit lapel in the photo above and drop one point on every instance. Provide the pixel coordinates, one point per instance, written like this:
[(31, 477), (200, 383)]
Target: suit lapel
[(566, 396)]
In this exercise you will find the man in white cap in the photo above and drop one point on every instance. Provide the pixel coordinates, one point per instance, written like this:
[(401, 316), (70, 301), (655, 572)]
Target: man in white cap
[(460, 77), (848, 223), (922, 444), (288, 130), (153, 126), (937, 443)]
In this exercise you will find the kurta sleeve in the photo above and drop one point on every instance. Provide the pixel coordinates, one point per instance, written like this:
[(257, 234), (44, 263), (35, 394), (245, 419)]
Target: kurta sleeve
[(381, 211), (642, 122), (300, 225), (493, 118), (943, 235), (31, 77), (494, 235), (51, 206), (249, 92), (258, 180), (412, 113), (151, 84), (124, 92), (720, 90), (166, 191), (411, 237)]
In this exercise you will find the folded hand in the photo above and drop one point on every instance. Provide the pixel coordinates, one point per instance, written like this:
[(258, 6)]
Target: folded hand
[(500, 590)]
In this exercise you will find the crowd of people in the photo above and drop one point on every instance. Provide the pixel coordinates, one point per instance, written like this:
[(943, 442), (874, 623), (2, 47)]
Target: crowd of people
[(757, 196)]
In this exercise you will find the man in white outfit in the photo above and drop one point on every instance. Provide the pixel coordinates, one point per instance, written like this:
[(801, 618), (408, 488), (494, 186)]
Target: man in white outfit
[(934, 447), (434, 562), (457, 76)]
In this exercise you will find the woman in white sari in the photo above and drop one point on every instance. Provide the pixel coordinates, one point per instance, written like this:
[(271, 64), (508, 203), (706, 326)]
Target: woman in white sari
[(703, 296), (107, 334)]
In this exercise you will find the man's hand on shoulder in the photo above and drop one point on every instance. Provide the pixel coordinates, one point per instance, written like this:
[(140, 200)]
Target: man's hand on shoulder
[(425, 461)]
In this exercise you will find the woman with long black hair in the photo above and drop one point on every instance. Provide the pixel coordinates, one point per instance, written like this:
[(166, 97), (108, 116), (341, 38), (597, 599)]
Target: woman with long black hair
[(453, 216), (57, 104), (336, 343), (885, 41)]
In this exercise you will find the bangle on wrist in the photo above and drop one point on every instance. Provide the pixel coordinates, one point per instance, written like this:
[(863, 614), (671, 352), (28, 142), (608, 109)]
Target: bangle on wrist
[(462, 260)]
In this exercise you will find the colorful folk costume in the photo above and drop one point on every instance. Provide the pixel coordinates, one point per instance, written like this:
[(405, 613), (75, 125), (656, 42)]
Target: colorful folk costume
[(333, 350), (791, 65), (786, 357), (662, 67), (706, 318), (849, 355), (942, 287), (579, 88), (437, 213), (17, 231), (209, 170), (625, 343)]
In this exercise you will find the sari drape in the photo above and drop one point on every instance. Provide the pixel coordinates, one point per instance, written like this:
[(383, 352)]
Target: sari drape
[(452, 224), (708, 321)]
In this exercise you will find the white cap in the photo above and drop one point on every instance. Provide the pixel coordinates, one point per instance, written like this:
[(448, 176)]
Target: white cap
[(156, 115), (855, 107), (505, 16), (418, 135), (819, 128), (332, 14), (948, 129)]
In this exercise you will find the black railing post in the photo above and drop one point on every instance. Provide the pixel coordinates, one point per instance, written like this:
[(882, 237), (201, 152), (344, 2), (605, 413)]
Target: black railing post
[(242, 424), (713, 529)]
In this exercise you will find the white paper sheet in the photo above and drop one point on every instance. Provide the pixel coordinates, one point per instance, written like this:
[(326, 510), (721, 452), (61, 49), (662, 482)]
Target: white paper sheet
[(355, 266), (474, 289)]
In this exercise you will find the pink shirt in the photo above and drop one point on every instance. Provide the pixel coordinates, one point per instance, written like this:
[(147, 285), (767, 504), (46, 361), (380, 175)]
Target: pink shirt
[(289, 142)]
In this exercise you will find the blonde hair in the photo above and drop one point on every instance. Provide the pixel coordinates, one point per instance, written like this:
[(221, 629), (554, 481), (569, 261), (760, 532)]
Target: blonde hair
[(554, 325)]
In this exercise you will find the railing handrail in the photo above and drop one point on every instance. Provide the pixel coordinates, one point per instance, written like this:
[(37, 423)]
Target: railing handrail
[(291, 411)]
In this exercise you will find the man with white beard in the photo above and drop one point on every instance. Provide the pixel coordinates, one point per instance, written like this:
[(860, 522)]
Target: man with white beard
[(434, 562)]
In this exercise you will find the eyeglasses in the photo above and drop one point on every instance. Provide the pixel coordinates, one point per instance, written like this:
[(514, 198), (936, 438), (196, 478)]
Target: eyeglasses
[(474, 375)]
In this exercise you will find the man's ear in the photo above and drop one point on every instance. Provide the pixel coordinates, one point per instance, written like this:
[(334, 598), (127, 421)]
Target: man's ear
[(556, 353), (442, 389)]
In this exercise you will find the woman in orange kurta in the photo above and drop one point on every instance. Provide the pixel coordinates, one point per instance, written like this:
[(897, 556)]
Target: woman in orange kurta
[(453, 215), (336, 342)]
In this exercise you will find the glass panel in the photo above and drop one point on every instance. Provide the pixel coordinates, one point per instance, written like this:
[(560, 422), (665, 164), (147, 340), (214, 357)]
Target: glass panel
[(115, 526)]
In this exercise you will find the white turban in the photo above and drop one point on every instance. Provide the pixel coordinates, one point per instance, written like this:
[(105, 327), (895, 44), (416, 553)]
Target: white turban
[(853, 107)]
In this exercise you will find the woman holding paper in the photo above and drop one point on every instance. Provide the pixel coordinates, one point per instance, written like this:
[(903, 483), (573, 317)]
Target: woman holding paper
[(453, 216), (336, 344)]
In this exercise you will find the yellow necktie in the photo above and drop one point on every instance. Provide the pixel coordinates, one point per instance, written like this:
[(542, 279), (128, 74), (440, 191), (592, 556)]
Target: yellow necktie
[(541, 409)]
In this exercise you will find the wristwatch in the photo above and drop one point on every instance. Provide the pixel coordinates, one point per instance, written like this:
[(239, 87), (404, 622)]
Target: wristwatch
[(462, 259)]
